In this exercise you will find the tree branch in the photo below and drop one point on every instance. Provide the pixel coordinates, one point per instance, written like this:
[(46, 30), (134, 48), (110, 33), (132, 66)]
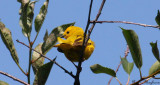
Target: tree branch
[(14, 78), (70, 73), (79, 68), (146, 78), (125, 22), (125, 55)]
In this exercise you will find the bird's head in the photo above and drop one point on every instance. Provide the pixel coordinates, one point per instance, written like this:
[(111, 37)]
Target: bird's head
[(72, 30)]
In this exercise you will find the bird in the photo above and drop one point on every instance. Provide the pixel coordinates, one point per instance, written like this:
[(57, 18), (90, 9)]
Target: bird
[(72, 46)]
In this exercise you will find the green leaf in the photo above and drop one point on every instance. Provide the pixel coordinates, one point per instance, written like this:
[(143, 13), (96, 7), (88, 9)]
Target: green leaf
[(100, 69), (128, 67), (43, 73), (154, 68), (158, 18), (52, 38), (41, 16), (7, 40), (26, 18), (45, 36), (155, 50), (37, 63), (3, 83), (133, 43)]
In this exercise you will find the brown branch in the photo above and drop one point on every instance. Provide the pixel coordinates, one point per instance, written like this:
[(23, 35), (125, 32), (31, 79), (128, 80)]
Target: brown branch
[(79, 68), (85, 40), (125, 22), (145, 78), (70, 73), (125, 55), (14, 78)]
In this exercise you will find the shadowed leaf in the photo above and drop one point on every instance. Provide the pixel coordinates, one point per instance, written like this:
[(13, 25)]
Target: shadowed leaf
[(38, 63), (26, 18), (45, 36), (158, 18), (133, 43), (52, 38), (154, 68), (3, 83), (43, 73), (7, 39), (155, 50), (41, 16), (128, 67), (100, 69)]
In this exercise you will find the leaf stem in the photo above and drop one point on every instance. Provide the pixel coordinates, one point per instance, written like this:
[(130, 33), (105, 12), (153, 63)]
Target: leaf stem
[(128, 80), (35, 37), (21, 69)]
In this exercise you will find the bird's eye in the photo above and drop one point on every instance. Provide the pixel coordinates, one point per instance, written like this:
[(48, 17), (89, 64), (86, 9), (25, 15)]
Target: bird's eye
[(67, 32)]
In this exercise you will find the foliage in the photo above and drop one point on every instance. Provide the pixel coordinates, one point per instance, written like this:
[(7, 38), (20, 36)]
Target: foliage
[(36, 59)]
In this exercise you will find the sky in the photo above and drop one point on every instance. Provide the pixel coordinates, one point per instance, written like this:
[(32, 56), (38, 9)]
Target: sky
[(108, 38)]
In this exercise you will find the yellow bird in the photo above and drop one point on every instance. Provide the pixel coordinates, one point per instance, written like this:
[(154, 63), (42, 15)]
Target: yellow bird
[(72, 46)]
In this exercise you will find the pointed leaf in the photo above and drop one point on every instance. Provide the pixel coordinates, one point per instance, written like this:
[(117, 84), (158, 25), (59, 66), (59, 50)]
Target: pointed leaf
[(155, 50), (7, 40), (155, 68), (133, 43), (100, 69), (158, 18), (37, 63), (41, 16), (26, 18), (3, 83), (45, 36), (43, 73), (52, 38), (128, 67)]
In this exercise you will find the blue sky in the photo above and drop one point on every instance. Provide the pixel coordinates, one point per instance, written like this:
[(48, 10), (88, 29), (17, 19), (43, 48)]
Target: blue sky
[(108, 37)]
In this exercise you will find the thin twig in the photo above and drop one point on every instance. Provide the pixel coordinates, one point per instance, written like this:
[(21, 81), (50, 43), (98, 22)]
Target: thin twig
[(70, 73), (145, 81), (156, 78), (14, 78), (77, 82), (126, 22), (30, 55), (125, 55), (99, 13), (118, 80)]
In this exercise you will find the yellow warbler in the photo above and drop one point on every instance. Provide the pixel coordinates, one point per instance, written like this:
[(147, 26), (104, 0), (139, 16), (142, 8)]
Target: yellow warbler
[(72, 46)]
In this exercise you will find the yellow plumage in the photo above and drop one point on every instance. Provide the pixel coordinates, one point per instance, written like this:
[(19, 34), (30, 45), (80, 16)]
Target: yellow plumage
[(72, 46)]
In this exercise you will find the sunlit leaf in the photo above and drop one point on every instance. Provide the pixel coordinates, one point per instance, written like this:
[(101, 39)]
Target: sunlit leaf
[(155, 50), (43, 73), (3, 83), (52, 38), (128, 67), (37, 63), (155, 68), (7, 39), (41, 16), (100, 69), (158, 18), (134, 46)]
